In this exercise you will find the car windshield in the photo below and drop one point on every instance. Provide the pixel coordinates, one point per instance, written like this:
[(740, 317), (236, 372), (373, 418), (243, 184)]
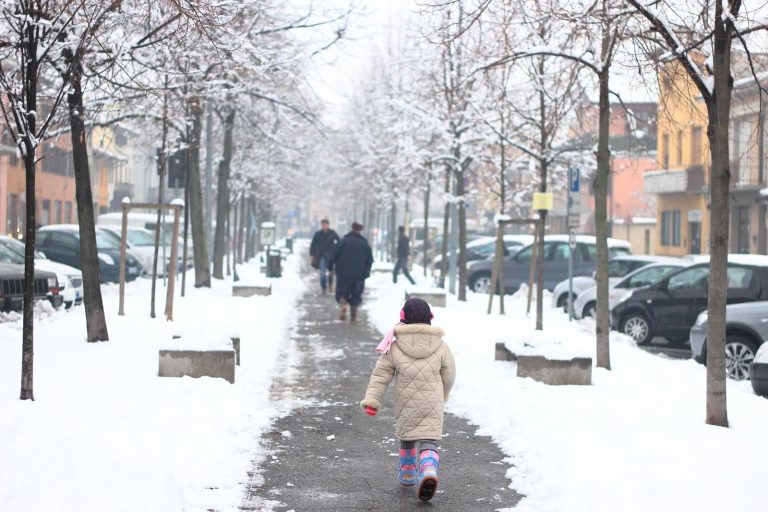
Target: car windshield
[(648, 276), (16, 246), (140, 237), (103, 240), (9, 256), (620, 268)]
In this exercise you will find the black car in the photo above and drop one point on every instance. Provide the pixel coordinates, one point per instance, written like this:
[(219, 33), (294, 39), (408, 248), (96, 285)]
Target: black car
[(669, 308), (62, 243), (12, 283)]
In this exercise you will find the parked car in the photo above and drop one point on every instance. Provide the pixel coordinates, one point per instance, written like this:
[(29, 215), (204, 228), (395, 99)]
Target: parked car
[(746, 328), (69, 278), (618, 268), (12, 283), (618, 288), (484, 248), (759, 371), (142, 243), (61, 243), (556, 254), (670, 307)]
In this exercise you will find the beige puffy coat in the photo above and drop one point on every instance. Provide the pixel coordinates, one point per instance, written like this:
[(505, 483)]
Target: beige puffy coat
[(423, 367)]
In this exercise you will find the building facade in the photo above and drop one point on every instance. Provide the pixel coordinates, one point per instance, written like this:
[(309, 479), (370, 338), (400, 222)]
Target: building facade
[(681, 181)]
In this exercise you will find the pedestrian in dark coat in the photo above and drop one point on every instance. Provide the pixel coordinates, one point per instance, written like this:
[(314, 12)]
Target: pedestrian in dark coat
[(403, 251), (352, 262), (320, 253)]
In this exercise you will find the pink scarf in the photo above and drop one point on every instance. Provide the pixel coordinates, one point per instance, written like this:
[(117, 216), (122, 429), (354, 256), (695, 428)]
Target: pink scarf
[(386, 341)]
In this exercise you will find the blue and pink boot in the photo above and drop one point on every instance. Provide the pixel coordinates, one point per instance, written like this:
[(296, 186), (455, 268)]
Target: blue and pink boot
[(407, 475), (429, 464)]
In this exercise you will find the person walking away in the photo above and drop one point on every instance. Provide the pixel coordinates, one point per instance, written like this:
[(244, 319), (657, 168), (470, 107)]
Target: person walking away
[(352, 262), (415, 355), (403, 251), (320, 251)]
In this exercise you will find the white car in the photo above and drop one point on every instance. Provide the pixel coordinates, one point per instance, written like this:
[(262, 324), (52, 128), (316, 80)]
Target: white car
[(142, 242), (618, 268), (619, 288), (70, 279)]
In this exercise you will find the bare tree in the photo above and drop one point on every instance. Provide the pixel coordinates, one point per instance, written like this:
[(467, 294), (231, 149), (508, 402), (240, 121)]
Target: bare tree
[(699, 39), (30, 30)]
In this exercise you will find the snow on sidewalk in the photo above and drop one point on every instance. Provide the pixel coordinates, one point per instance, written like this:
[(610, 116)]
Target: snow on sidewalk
[(633, 441), (105, 433)]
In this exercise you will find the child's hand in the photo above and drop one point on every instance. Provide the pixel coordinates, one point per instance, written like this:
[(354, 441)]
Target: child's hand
[(368, 408)]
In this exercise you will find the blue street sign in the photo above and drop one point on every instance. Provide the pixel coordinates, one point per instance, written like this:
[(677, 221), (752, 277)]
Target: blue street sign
[(573, 179)]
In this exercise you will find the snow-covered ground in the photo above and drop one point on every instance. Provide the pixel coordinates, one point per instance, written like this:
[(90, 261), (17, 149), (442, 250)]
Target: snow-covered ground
[(633, 441), (105, 433)]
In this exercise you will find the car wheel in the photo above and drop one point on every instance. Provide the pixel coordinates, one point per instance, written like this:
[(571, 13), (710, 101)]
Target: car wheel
[(562, 301), (480, 283), (638, 327), (739, 355), (589, 311)]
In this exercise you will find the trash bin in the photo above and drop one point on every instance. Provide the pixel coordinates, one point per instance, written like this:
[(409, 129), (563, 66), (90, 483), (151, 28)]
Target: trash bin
[(289, 244), (274, 268)]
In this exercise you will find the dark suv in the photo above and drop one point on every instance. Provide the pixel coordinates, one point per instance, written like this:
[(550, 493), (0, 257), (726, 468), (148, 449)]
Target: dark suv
[(669, 308), (62, 243), (12, 283)]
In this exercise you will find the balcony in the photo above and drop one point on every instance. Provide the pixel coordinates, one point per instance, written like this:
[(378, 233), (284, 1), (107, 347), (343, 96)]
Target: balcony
[(665, 182), (692, 180)]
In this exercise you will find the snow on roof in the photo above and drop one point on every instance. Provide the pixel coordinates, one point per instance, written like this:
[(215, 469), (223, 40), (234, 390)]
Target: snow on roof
[(587, 239)]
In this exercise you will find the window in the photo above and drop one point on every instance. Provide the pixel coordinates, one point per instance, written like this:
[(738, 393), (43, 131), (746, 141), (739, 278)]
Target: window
[(697, 146), (63, 241), (739, 277), (46, 217), (58, 211), (742, 230), (524, 256), (665, 151), (691, 279), (670, 228), (68, 212), (561, 252), (649, 276), (679, 147), (619, 268)]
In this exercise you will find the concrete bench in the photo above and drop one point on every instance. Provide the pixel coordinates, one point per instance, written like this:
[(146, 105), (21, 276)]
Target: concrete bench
[(435, 297), (556, 372), (218, 363), (504, 354), (251, 289)]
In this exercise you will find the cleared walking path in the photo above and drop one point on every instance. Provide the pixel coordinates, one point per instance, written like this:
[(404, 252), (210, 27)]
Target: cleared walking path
[(330, 456)]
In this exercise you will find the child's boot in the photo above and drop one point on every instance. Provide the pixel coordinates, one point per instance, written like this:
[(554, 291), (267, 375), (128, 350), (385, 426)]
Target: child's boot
[(353, 314), (429, 464), (407, 475)]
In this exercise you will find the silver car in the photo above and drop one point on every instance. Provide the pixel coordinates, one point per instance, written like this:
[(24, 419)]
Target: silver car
[(746, 328), (620, 289)]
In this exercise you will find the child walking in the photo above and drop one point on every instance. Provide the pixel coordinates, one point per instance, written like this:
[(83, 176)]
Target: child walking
[(415, 354)]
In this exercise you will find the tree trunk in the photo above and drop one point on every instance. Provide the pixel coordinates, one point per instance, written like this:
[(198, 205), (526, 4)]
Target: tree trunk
[(29, 147), (602, 328), (222, 196), (426, 226), (462, 295), (719, 111), (95, 320), (393, 231), (446, 219), (240, 232), (202, 265)]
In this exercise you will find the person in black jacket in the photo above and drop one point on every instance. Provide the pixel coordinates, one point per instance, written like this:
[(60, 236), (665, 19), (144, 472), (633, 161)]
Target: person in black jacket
[(352, 262), (403, 251), (320, 252)]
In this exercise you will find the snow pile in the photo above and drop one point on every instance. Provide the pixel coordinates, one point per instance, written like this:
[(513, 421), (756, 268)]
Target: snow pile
[(106, 433), (633, 441)]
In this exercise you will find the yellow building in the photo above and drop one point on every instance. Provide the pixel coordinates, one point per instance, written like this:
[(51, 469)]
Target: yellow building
[(681, 183)]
